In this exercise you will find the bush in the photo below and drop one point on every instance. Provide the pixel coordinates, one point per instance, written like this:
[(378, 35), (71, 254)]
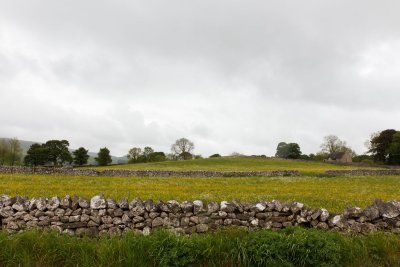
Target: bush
[(215, 156)]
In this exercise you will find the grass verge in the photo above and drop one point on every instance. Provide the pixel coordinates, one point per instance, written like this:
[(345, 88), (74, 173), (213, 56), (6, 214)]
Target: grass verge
[(233, 247)]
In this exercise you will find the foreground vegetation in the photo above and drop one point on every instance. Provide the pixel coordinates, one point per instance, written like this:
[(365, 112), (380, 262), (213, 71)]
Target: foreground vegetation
[(238, 164), (333, 193), (232, 247)]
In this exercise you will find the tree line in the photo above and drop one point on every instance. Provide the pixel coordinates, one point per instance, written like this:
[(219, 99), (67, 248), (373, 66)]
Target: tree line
[(57, 153), (383, 148)]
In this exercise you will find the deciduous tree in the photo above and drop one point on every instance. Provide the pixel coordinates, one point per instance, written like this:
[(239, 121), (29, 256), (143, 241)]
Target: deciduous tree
[(394, 149), (379, 145), (288, 151), (4, 151), (183, 147), (333, 144), (147, 151), (134, 154), (58, 152), (15, 153), (80, 156), (36, 155), (103, 157)]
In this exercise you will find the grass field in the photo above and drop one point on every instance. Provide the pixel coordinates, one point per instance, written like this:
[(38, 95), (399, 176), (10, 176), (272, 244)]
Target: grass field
[(333, 193), (237, 164)]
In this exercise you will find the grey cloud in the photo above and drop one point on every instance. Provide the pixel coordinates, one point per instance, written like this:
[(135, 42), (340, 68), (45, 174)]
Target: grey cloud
[(231, 75)]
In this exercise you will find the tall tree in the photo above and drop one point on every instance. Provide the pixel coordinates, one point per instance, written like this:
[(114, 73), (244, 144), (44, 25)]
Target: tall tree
[(157, 156), (379, 145), (293, 151), (36, 155), (183, 147), (147, 151), (288, 151), (282, 150), (333, 144), (134, 154), (58, 152), (103, 157), (394, 149), (80, 156), (15, 153), (4, 151)]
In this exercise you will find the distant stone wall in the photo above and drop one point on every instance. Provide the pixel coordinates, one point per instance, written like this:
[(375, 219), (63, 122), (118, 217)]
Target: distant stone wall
[(92, 172), (101, 216), (363, 172)]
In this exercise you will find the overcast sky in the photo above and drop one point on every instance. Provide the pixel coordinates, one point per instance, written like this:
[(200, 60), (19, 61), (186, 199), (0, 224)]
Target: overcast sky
[(229, 75)]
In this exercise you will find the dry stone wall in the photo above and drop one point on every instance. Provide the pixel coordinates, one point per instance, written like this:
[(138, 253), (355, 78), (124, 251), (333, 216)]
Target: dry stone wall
[(104, 216), (92, 172), (363, 172)]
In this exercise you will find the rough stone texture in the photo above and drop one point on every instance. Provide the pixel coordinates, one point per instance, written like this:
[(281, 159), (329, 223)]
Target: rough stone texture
[(363, 172), (91, 172), (100, 216), (98, 202)]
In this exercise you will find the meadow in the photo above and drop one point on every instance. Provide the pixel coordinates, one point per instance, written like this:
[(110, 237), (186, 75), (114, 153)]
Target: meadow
[(239, 164), (333, 193)]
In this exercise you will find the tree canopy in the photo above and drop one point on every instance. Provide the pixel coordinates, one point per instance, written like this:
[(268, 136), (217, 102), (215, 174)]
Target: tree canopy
[(183, 148), (288, 151), (36, 155), (379, 146), (81, 156), (103, 157), (333, 144), (58, 152)]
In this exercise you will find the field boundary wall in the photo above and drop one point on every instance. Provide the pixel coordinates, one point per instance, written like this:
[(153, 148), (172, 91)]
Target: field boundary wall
[(93, 172), (100, 216)]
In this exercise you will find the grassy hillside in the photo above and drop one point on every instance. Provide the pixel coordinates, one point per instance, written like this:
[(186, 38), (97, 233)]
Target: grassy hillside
[(333, 193), (236, 164)]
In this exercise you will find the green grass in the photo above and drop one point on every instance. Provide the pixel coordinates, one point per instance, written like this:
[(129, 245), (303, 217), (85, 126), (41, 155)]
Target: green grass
[(333, 193), (232, 247), (237, 164)]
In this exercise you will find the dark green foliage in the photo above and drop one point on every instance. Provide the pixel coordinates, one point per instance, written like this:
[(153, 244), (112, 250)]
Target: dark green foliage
[(136, 155), (156, 157), (379, 146), (215, 156), (36, 155), (147, 151), (231, 247), (103, 157), (363, 158), (80, 156), (288, 151), (57, 152), (394, 149), (185, 156)]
